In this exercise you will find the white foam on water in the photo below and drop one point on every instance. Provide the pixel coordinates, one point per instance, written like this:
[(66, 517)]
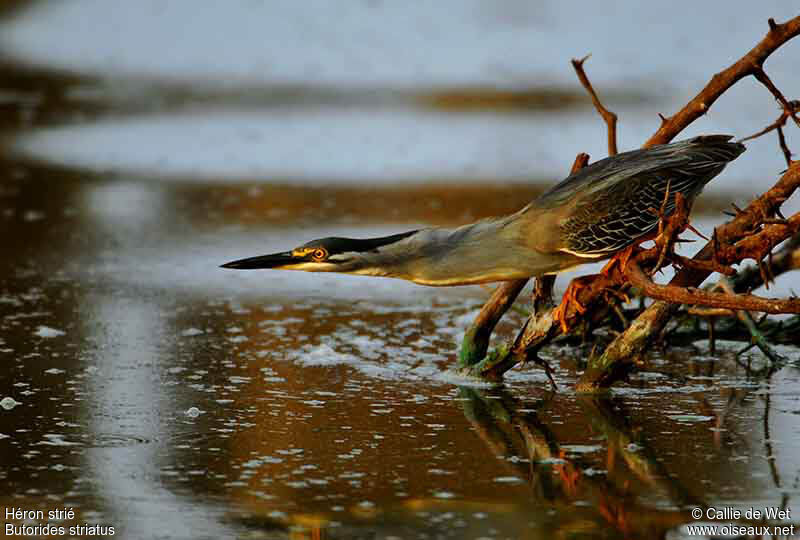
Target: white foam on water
[(48, 332)]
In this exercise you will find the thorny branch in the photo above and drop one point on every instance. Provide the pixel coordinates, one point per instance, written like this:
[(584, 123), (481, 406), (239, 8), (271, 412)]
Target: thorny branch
[(749, 64), (699, 297), (752, 233), (619, 356)]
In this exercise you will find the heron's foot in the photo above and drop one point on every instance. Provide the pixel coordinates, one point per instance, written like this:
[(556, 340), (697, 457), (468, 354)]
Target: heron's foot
[(621, 258), (570, 297)]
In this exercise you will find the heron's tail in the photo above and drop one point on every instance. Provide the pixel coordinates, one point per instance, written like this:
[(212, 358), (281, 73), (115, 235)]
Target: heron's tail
[(708, 154)]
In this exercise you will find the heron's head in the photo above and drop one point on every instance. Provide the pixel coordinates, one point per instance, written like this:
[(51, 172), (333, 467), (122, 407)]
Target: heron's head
[(333, 254)]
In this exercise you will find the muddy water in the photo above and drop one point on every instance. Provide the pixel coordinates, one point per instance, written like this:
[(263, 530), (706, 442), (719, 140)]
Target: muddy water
[(148, 390)]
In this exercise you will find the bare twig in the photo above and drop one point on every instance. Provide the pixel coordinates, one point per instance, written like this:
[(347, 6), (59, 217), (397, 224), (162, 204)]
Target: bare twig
[(780, 122), (777, 125), (609, 117), (787, 154), (763, 78)]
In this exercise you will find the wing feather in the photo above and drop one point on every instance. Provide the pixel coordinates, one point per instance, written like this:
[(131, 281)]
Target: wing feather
[(619, 204)]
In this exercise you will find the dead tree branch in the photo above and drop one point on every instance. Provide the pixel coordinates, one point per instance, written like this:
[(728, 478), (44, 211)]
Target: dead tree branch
[(750, 64), (745, 236), (699, 297), (620, 355), (609, 117)]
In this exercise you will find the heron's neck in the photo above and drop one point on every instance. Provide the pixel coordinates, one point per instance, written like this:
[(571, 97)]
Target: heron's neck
[(477, 253)]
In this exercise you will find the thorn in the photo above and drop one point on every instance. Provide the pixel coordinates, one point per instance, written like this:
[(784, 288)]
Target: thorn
[(738, 210), (715, 247), (764, 275), (780, 214), (579, 62), (730, 214), (666, 198), (663, 119), (769, 267), (773, 26), (695, 231)]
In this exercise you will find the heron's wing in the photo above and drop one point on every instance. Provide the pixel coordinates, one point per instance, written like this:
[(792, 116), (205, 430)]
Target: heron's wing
[(610, 209), (618, 215)]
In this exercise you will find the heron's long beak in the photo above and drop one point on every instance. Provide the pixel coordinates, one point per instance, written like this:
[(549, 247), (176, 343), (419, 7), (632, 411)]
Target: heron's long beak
[(275, 260)]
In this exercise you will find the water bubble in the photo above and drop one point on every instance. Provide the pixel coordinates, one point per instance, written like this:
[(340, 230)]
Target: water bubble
[(9, 403), (508, 480), (189, 332), (193, 412), (47, 332)]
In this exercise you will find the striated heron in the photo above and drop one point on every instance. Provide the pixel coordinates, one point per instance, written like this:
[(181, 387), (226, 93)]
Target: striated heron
[(591, 215)]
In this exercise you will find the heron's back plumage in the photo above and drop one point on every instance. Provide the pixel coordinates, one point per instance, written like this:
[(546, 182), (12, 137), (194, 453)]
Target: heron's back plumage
[(606, 206)]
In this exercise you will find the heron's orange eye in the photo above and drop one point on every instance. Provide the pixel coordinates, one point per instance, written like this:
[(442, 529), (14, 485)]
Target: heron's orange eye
[(319, 254)]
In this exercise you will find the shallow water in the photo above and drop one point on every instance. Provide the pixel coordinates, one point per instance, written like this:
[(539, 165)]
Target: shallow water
[(149, 390)]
